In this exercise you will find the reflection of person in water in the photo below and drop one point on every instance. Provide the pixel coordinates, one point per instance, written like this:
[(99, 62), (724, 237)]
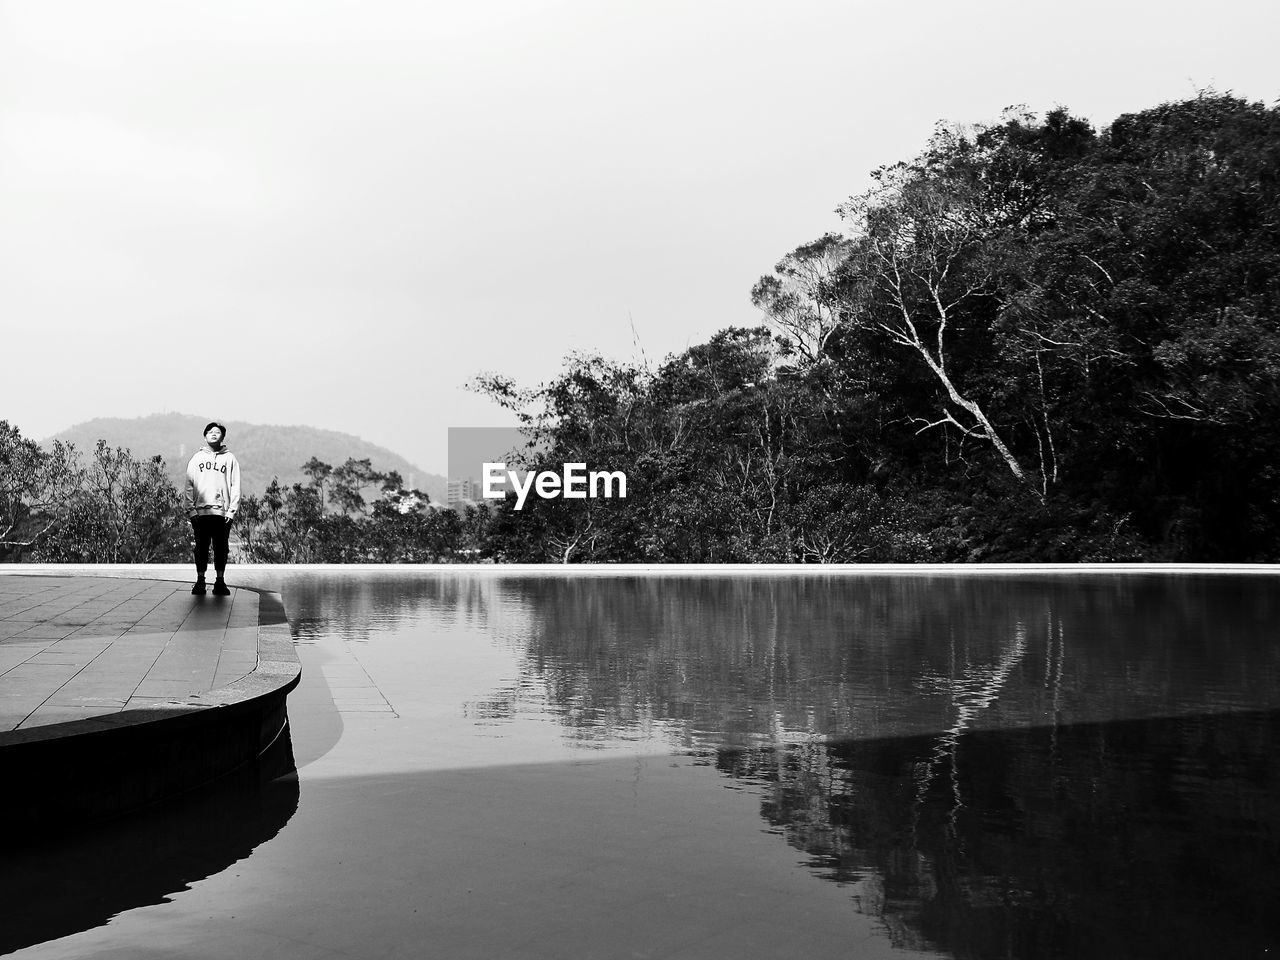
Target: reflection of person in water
[(212, 496)]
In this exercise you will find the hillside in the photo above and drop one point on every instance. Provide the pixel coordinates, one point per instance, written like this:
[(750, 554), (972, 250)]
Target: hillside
[(264, 450)]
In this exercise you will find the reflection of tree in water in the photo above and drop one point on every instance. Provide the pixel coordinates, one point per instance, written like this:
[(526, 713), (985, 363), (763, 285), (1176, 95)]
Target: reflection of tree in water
[(1151, 838), (934, 743), (705, 660), (359, 605), (708, 660), (970, 688)]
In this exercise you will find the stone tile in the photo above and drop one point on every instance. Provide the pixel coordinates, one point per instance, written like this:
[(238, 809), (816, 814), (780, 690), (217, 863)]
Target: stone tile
[(37, 675), (185, 658), (167, 689), (12, 612), (236, 658), (44, 612), (13, 606), (190, 636), (141, 637), (168, 623), (228, 675), (10, 657), (245, 611), (31, 645), (241, 638), (106, 683), (24, 701), (116, 671), (74, 618), (80, 642), (70, 698), (136, 701), (174, 608), (199, 675), (48, 631), (96, 633), (130, 647), (186, 647), (121, 652), (54, 713), (65, 655), (135, 607)]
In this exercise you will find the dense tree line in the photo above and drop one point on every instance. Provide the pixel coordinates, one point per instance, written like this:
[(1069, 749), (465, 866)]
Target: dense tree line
[(1034, 341)]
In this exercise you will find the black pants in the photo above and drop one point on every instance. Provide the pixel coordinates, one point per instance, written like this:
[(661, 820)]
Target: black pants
[(213, 530)]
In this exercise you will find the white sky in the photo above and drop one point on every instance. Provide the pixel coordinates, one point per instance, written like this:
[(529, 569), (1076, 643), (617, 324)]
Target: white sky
[(336, 213)]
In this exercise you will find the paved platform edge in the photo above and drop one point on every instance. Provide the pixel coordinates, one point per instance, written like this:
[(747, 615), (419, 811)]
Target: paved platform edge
[(81, 771)]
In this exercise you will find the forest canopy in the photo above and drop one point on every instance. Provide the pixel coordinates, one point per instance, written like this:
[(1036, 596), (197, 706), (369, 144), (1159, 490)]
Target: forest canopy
[(1034, 341)]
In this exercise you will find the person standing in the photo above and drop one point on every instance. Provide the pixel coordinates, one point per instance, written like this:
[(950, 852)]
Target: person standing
[(212, 496)]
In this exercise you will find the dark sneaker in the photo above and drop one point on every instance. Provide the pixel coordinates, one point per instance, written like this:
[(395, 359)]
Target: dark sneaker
[(198, 589), (220, 589)]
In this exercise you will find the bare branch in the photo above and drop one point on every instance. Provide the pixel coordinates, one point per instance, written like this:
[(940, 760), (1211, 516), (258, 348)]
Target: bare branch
[(1100, 267)]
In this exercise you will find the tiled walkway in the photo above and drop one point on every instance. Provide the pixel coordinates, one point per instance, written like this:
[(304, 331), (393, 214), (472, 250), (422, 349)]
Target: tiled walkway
[(73, 648)]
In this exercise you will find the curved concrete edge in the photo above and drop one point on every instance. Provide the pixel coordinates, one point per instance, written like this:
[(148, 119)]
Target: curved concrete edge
[(67, 774)]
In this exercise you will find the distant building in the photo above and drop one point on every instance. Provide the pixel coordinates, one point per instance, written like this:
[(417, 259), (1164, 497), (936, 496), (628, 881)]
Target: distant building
[(460, 490)]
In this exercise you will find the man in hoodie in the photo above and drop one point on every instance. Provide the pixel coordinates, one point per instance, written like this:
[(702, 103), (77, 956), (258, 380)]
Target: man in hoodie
[(212, 496)]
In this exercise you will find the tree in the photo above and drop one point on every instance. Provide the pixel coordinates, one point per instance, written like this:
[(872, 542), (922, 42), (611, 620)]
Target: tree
[(917, 268), (348, 481), (35, 489), (801, 297), (319, 472), (281, 526), (125, 511)]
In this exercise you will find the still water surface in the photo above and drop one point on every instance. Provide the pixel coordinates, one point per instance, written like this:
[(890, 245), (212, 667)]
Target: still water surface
[(501, 764)]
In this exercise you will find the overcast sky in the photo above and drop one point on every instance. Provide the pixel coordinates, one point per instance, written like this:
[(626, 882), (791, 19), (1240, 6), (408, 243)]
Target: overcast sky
[(336, 213)]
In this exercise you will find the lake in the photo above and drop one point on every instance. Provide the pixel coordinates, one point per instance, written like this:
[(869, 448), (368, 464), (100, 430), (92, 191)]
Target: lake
[(584, 764)]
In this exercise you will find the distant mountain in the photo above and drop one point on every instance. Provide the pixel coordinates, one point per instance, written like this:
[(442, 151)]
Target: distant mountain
[(264, 451)]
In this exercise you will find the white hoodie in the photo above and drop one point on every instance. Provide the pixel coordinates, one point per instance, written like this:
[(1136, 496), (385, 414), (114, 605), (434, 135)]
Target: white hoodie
[(213, 484)]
